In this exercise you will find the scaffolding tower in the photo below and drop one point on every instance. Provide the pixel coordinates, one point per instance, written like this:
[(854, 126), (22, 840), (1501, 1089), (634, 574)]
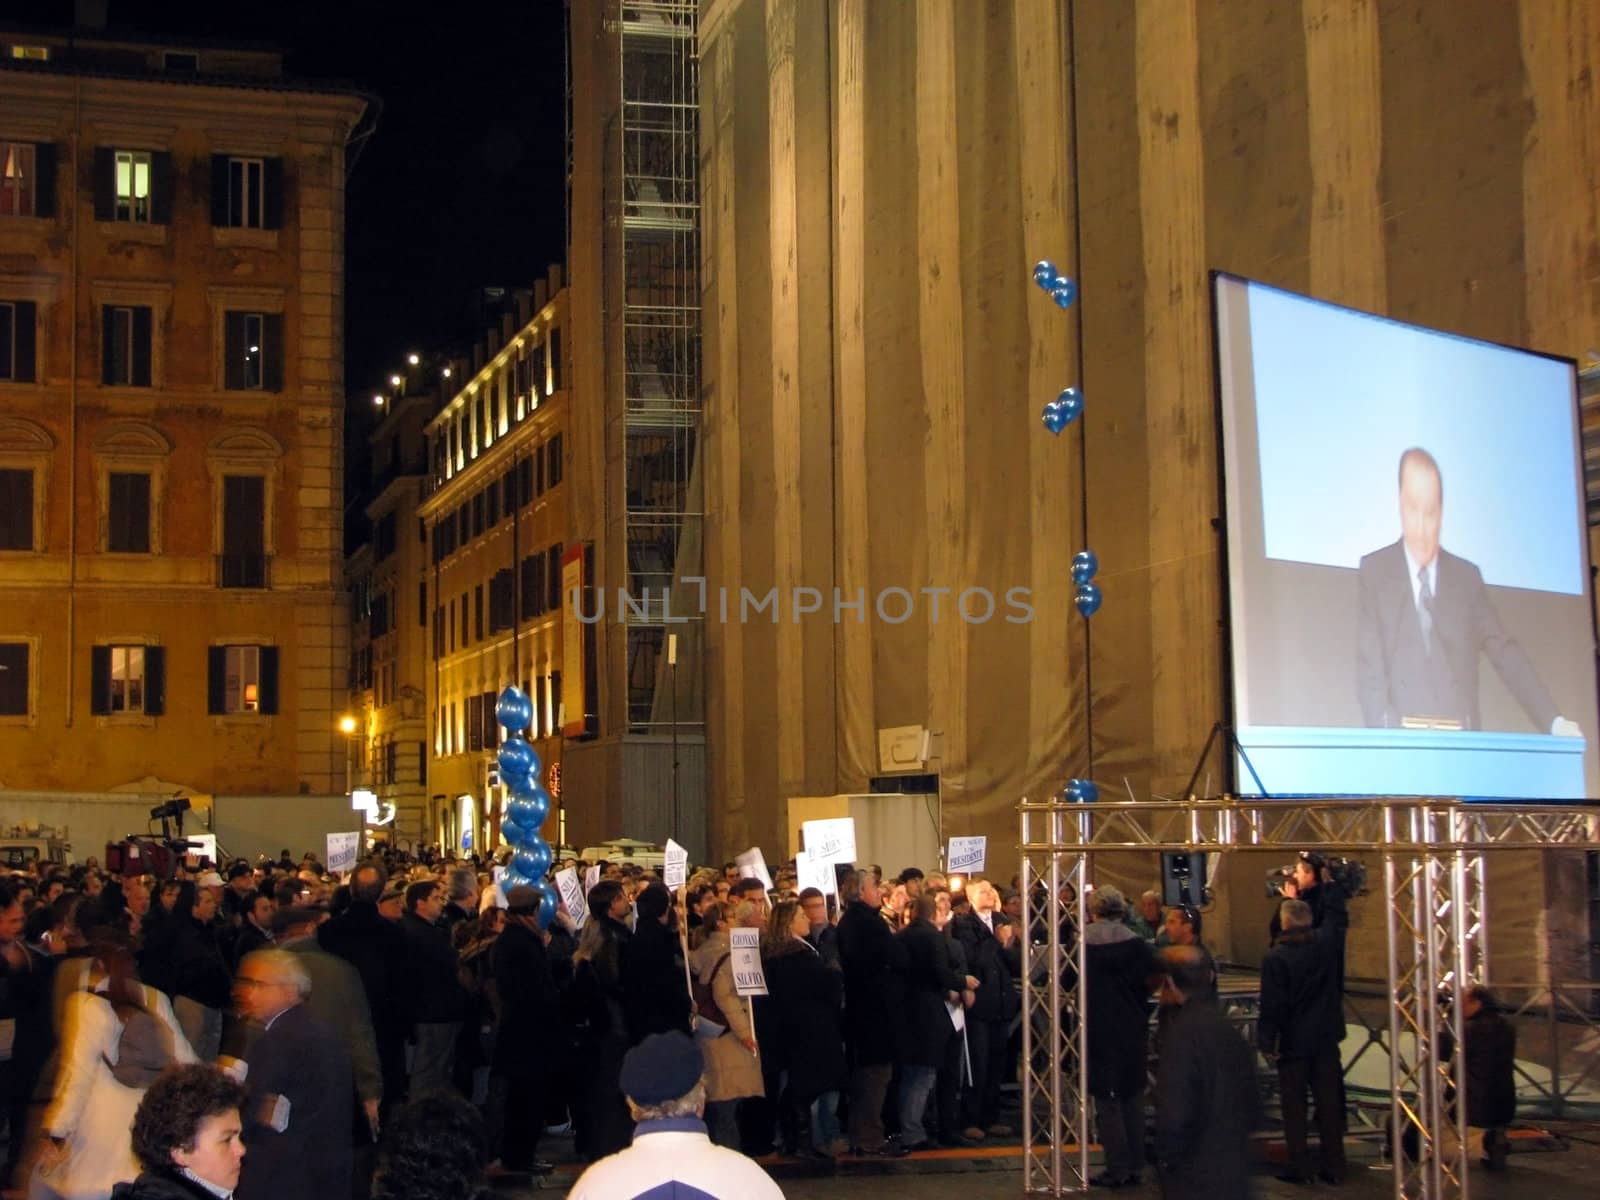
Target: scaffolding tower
[(1433, 884), (659, 368)]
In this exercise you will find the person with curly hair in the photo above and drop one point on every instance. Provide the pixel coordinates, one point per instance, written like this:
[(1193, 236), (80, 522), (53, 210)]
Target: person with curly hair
[(186, 1134), (433, 1149)]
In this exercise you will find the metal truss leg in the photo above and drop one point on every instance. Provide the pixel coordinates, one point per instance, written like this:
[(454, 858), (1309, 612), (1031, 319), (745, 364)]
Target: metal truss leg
[(1432, 935), (1055, 1142)]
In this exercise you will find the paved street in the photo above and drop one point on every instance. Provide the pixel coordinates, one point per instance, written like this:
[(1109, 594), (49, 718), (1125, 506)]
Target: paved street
[(1562, 1167)]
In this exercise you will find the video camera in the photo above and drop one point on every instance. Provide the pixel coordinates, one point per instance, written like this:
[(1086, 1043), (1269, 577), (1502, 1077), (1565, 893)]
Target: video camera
[(1348, 874), (149, 855)]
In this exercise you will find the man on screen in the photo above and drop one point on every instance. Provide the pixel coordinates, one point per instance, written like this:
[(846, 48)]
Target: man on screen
[(1426, 618)]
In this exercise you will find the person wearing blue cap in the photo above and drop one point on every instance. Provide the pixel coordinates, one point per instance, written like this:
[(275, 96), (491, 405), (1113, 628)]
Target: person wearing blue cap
[(663, 1079)]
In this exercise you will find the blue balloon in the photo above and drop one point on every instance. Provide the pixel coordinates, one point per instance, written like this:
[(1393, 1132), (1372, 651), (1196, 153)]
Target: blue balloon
[(512, 878), (1063, 291), (514, 710), (1084, 565), (1044, 274), (549, 899), (1082, 791), (533, 859), (1088, 599), (517, 759), (1070, 401), (530, 808)]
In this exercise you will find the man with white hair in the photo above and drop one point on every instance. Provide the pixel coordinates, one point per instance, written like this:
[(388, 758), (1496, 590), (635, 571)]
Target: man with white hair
[(299, 1086)]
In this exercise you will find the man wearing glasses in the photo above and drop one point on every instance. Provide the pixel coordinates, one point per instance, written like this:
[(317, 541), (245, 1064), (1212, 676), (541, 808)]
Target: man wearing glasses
[(299, 1087)]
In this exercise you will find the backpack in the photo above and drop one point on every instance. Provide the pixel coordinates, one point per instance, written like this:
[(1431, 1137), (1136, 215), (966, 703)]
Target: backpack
[(705, 999)]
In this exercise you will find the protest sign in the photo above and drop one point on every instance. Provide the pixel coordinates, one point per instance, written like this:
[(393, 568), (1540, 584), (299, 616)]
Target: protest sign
[(752, 865), (811, 874), (677, 866), (830, 841), (591, 876), (745, 947), (203, 846), (572, 896), (342, 851), (966, 855)]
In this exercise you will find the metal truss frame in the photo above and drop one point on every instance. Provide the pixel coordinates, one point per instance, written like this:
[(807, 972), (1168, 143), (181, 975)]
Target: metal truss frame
[(1433, 881)]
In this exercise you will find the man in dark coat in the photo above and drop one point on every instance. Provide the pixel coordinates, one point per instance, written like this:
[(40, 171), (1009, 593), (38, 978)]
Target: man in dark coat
[(1206, 1097), (1117, 978), (655, 994), (526, 1033), (925, 1030), (298, 1087), (872, 960), (377, 950), (988, 1022), (1490, 1053), (1301, 1026), (26, 987), (437, 1001)]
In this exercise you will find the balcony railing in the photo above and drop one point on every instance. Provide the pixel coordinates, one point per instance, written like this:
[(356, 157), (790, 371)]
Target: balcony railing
[(244, 570)]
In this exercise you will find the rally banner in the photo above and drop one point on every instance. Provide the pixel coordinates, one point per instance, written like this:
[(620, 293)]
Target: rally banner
[(677, 866), (831, 841), (966, 855), (752, 865), (572, 896), (342, 851), (745, 947)]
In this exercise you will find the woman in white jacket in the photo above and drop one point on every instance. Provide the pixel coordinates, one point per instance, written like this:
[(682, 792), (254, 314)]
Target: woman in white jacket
[(116, 1035)]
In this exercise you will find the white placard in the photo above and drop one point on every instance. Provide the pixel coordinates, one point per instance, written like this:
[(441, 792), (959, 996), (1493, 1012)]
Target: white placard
[(572, 894), (677, 866), (752, 865), (966, 855), (809, 874), (205, 845), (745, 948), (342, 851), (830, 841)]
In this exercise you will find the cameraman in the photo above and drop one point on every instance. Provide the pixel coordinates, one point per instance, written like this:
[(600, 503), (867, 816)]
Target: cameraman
[(1302, 1023)]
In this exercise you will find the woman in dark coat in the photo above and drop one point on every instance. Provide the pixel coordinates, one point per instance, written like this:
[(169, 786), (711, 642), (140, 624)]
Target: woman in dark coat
[(594, 1012), (529, 1009), (925, 1031), (802, 1032)]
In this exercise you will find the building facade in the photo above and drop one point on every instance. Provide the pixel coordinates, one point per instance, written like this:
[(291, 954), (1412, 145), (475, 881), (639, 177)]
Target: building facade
[(492, 519), (171, 399)]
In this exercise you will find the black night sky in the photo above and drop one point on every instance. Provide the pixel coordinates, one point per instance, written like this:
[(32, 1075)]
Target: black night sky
[(462, 184)]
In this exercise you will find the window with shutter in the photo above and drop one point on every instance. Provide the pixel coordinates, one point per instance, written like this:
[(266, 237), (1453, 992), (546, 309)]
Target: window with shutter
[(126, 352), (19, 179), (132, 186), (128, 513), (554, 580), (17, 331), (14, 693), (16, 508)]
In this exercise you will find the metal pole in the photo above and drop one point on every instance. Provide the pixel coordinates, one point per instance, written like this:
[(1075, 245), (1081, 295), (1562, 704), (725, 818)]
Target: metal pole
[(1398, 1118), (672, 672)]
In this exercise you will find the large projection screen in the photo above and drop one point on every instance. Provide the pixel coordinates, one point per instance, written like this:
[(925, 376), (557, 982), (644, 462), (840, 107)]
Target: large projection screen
[(1408, 577)]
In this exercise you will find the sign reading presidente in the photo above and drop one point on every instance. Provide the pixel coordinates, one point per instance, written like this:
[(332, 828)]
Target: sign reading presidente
[(830, 841), (745, 948), (966, 855)]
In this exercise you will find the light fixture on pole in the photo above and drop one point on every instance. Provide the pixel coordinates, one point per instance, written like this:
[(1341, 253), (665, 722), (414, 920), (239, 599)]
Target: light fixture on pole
[(672, 673)]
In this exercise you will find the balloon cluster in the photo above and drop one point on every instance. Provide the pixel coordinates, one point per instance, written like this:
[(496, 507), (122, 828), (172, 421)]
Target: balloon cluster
[(1082, 791), (530, 804), (1084, 565), (1068, 406)]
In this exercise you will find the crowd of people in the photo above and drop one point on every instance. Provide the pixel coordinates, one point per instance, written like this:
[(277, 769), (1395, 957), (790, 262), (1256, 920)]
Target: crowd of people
[(314, 1029)]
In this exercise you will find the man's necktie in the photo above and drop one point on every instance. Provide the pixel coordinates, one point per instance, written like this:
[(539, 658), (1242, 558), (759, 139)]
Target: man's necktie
[(1425, 609)]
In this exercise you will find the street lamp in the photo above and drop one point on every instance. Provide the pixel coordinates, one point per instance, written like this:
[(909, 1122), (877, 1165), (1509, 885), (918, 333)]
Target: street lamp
[(347, 726)]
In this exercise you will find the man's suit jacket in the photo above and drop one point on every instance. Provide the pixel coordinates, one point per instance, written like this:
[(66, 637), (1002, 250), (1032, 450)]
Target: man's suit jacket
[(1396, 677), (303, 1061)]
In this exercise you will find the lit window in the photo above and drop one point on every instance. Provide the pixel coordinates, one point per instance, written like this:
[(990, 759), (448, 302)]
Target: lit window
[(31, 53), (18, 186), (127, 680), (133, 185), (242, 681), (253, 335)]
